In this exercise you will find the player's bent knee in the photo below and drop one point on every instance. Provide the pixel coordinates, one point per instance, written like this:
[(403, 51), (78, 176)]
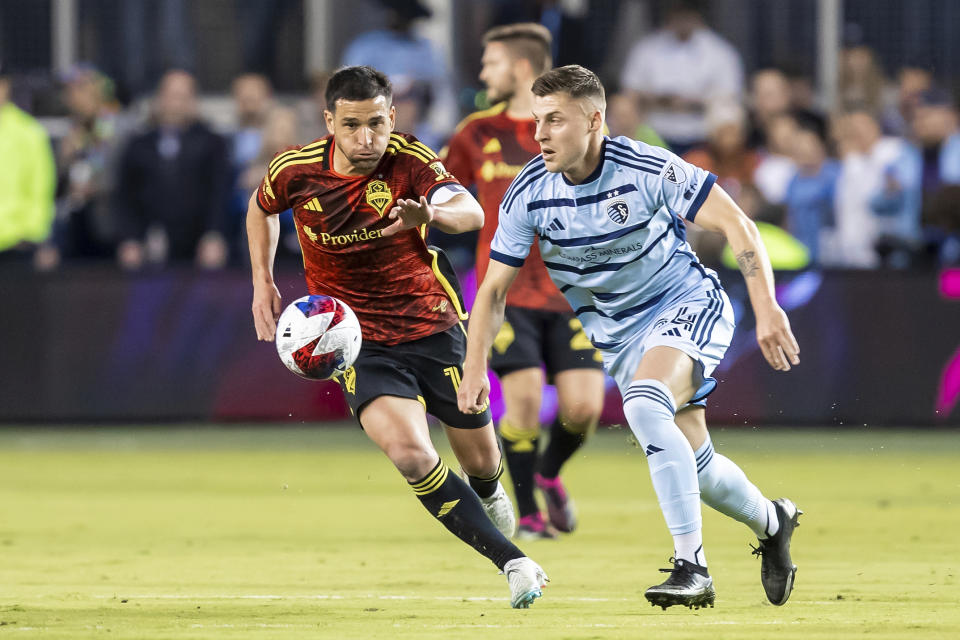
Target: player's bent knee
[(481, 464), (581, 417), (412, 461), (523, 412)]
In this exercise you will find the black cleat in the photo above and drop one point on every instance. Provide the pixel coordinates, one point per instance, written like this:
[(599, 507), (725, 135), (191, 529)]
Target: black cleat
[(777, 570), (689, 585)]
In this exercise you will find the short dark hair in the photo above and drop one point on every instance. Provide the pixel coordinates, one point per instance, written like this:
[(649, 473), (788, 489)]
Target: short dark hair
[(528, 40), (356, 84), (578, 82)]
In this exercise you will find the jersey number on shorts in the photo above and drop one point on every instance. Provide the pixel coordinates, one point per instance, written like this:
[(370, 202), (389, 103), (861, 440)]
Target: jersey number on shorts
[(454, 374), (580, 341)]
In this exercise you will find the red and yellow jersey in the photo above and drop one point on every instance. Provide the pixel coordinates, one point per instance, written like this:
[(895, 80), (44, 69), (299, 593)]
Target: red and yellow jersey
[(393, 284), (488, 150)]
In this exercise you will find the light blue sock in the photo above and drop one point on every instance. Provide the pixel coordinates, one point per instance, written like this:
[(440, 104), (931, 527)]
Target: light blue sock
[(649, 409), (724, 487)]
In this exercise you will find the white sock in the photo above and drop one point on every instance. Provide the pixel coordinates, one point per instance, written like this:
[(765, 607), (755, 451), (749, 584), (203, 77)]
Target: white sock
[(689, 546), (725, 487), (648, 406)]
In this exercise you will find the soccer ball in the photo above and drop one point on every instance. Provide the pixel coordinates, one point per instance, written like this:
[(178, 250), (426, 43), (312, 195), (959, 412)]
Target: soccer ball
[(318, 337)]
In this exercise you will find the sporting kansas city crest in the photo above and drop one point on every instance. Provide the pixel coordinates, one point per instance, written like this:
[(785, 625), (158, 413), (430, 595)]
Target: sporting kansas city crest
[(618, 211), (379, 196)]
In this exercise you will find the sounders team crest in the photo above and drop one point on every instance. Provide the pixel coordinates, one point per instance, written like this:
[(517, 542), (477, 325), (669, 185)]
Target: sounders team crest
[(379, 196)]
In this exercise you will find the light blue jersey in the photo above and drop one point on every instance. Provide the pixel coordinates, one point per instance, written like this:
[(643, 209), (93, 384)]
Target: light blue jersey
[(616, 247)]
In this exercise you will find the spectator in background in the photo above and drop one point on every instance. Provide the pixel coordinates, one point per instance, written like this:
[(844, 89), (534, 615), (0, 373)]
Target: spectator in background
[(173, 184), (412, 101), (27, 181), (726, 153), (878, 197), (935, 128), (678, 71), (803, 98), (86, 159), (776, 166), (252, 104), (625, 118), (811, 193), (281, 130), (911, 83), (769, 98), (401, 54), (862, 83)]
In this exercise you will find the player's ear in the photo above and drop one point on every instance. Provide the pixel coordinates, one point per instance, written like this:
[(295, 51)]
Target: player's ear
[(393, 117), (596, 121), (329, 118)]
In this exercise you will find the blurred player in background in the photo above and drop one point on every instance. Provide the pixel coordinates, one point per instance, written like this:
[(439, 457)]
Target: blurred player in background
[(362, 198), (609, 216), (487, 151)]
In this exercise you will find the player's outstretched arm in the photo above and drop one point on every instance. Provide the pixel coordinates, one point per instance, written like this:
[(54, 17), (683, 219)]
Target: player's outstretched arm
[(459, 214), (485, 320), (263, 231), (720, 213)]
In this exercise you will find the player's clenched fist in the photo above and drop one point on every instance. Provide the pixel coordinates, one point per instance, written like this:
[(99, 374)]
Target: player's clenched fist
[(473, 392), (266, 310)]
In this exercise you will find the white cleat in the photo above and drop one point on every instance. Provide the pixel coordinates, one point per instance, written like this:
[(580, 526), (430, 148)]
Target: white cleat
[(499, 509), (526, 579)]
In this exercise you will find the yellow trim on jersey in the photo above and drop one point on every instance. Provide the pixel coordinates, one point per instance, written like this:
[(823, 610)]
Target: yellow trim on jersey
[(301, 157), (395, 143), (416, 149), (426, 150), (451, 292), (409, 150), (423, 231), (496, 109), (287, 154)]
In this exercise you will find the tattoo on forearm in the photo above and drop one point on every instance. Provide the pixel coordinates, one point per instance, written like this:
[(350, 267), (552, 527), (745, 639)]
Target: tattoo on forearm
[(748, 264)]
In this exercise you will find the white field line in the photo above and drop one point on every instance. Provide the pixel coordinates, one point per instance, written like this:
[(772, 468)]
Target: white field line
[(329, 596)]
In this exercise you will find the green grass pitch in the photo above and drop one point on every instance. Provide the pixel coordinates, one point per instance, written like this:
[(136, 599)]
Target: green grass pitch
[(280, 532)]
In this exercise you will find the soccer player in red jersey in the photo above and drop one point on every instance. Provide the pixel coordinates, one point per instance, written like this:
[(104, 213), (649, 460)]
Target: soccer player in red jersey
[(487, 151), (362, 198)]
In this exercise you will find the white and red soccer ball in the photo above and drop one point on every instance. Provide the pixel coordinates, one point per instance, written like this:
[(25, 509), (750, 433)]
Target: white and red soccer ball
[(318, 337)]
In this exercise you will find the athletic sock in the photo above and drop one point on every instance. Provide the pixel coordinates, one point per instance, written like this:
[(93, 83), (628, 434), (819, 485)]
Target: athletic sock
[(453, 503), (520, 450), (485, 487), (724, 487), (689, 546), (562, 445), (650, 412)]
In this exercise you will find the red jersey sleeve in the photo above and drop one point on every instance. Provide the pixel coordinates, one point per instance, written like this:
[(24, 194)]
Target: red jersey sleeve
[(271, 196), (458, 156), (427, 172)]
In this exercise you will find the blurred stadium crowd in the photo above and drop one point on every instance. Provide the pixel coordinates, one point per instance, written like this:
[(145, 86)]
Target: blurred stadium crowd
[(132, 162)]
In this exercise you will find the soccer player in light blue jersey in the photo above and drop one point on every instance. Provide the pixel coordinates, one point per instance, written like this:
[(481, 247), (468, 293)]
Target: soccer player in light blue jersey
[(609, 215)]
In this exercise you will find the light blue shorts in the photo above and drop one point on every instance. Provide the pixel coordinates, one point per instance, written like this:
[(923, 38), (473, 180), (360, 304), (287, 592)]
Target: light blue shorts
[(699, 324)]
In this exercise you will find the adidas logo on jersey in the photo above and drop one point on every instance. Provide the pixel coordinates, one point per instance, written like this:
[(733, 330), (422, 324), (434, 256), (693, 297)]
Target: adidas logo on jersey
[(313, 205), (556, 225), (492, 146)]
